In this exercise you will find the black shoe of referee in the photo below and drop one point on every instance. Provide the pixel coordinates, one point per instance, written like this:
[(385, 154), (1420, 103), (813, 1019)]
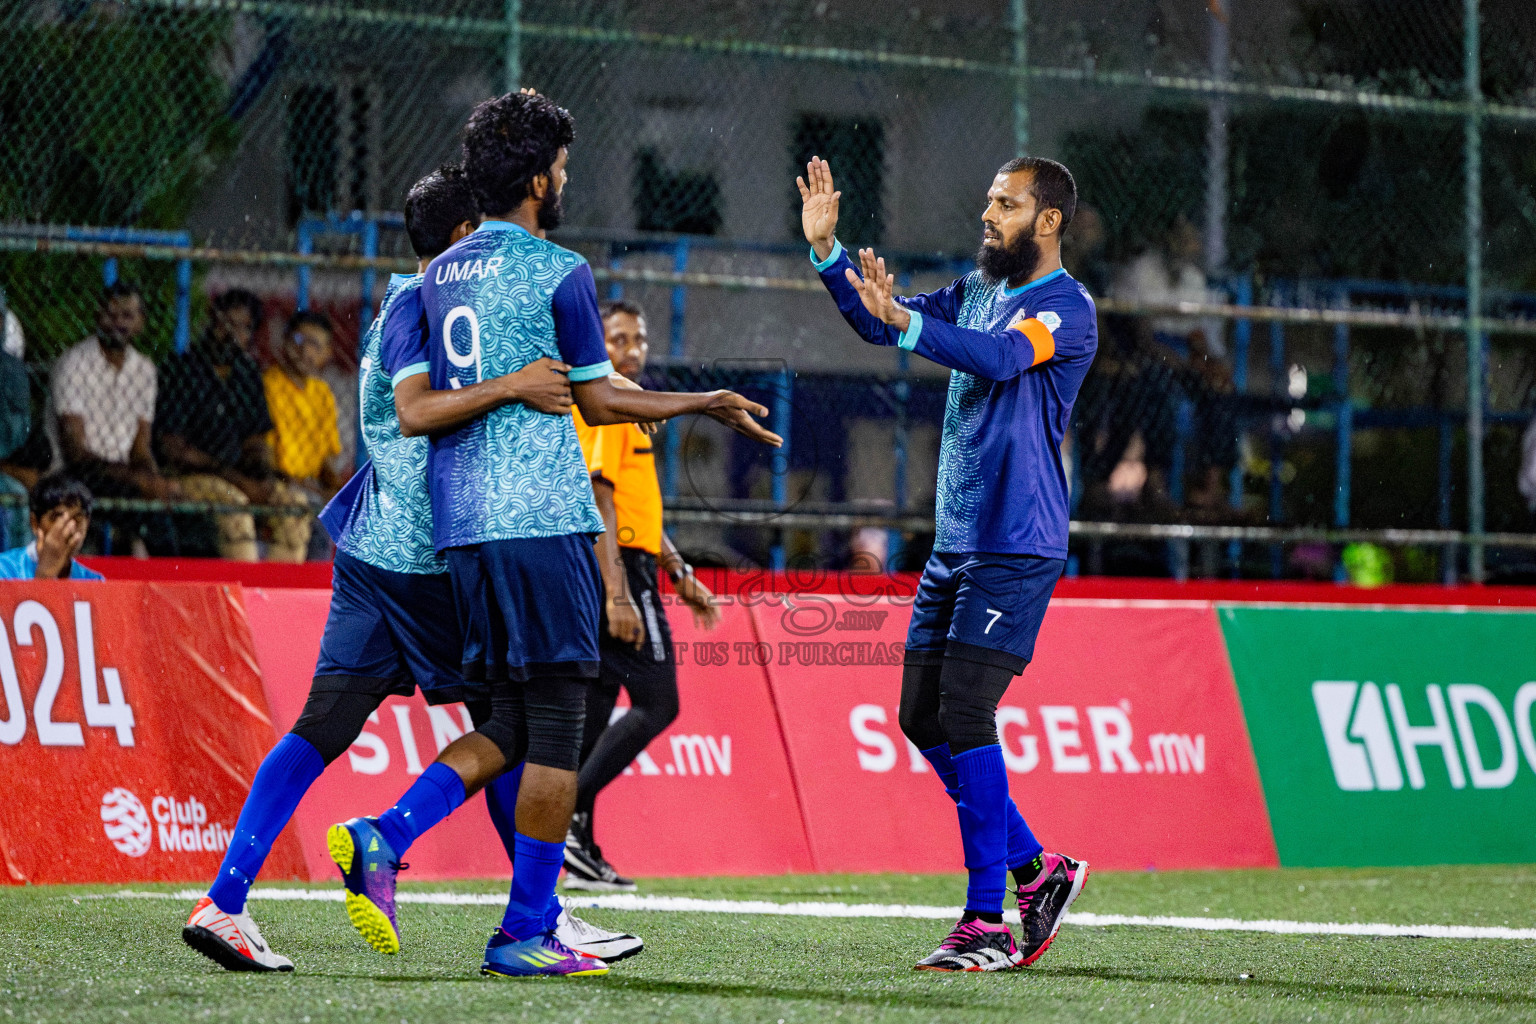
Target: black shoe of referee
[(585, 868)]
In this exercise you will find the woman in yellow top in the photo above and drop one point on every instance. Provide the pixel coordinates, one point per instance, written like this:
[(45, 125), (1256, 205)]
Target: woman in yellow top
[(635, 642)]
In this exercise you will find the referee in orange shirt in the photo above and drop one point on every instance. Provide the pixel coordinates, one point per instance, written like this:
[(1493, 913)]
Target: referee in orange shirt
[(635, 642)]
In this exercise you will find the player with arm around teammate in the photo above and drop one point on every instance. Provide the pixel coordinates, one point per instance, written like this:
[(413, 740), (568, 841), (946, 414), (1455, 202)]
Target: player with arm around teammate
[(512, 505), (1018, 335), (392, 623)]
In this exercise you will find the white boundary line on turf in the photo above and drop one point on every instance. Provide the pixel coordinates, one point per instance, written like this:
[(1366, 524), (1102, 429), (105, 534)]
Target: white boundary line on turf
[(688, 904)]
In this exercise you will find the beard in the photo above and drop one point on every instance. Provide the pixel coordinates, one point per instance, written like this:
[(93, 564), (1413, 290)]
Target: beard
[(111, 341), (1017, 259), (552, 212)]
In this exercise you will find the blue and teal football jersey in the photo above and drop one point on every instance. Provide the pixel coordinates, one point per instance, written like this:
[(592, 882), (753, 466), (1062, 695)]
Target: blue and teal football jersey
[(496, 301), (1017, 357), (389, 515)]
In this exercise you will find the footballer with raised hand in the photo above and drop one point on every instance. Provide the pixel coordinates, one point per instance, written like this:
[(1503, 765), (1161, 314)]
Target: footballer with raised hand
[(1018, 335)]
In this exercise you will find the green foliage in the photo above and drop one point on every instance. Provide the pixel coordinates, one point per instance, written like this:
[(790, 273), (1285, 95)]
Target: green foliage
[(110, 118)]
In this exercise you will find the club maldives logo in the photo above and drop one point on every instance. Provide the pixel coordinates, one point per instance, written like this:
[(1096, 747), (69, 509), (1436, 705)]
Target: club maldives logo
[(182, 825), (1373, 745), (126, 822)]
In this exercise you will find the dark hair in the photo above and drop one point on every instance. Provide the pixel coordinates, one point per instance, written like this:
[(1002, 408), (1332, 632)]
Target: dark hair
[(509, 141), (121, 289), (612, 306), (237, 298), (308, 318), (1052, 187), (436, 205), (58, 489)]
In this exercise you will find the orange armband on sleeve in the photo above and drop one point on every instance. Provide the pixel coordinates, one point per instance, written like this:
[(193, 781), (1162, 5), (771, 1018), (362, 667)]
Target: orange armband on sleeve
[(1040, 339)]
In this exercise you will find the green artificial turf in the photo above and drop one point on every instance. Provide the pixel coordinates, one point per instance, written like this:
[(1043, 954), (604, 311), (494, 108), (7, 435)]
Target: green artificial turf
[(67, 955)]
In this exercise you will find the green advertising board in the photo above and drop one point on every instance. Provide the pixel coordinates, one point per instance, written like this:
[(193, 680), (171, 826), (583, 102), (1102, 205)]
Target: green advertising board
[(1386, 736)]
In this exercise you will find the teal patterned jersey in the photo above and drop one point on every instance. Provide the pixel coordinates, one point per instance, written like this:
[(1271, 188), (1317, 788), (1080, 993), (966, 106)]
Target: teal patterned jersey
[(496, 301), (390, 521)]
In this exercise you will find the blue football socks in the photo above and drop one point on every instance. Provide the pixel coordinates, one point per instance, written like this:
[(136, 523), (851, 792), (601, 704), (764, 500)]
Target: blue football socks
[(282, 780), (430, 799), (983, 787), (535, 869), (501, 801), (1023, 847)]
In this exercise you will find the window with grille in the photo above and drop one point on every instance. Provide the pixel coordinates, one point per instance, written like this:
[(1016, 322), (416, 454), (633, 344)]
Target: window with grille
[(855, 147), (330, 149)]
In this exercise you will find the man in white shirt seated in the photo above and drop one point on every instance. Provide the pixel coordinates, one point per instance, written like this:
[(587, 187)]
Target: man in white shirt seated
[(104, 398), (61, 513)]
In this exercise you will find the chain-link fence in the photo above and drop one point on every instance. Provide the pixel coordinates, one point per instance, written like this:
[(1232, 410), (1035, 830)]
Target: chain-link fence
[(1285, 209)]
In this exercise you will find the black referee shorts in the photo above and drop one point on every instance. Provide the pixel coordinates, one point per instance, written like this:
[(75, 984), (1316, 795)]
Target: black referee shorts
[(656, 660)]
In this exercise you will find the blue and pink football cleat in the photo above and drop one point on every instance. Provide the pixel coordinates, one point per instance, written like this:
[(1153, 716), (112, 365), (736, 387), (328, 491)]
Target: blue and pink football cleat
[(1044, 902), (368, 870), (541, 956)]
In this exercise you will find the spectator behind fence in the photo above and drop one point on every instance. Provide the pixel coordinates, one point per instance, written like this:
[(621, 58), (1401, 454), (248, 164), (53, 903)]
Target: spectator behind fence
[(104, 398), (211, 426), (61, 514), (1169, 274), (15, 424), (13, 339), (305, 436)]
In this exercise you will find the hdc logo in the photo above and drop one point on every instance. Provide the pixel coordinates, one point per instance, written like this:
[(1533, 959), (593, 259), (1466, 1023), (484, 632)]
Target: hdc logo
[(1359, 722)]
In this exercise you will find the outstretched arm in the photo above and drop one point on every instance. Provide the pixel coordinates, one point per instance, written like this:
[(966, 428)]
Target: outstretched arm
[(601, 402), (579, 334), (540, 385), (991, 355)]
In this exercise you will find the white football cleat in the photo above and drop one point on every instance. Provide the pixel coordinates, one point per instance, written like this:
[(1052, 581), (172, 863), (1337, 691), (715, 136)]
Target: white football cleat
[(591, 941), (230, 940)]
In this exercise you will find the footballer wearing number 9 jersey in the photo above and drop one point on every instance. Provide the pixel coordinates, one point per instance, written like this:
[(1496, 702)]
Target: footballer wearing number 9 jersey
[(512, 506)]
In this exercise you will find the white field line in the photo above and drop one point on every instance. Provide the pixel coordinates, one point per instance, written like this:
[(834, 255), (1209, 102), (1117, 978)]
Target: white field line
[(686, 904)]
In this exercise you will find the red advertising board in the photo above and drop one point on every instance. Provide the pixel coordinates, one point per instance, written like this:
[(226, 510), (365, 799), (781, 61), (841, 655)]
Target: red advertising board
[(713, 794), (133, 721), (1124, 740)]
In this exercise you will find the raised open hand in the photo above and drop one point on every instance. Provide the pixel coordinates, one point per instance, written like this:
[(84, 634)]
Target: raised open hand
[(877, 290), (818, 206), (736, 412)]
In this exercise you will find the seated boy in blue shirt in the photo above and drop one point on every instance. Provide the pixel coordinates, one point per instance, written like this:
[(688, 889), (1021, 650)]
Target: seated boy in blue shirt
[(61, 513)]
